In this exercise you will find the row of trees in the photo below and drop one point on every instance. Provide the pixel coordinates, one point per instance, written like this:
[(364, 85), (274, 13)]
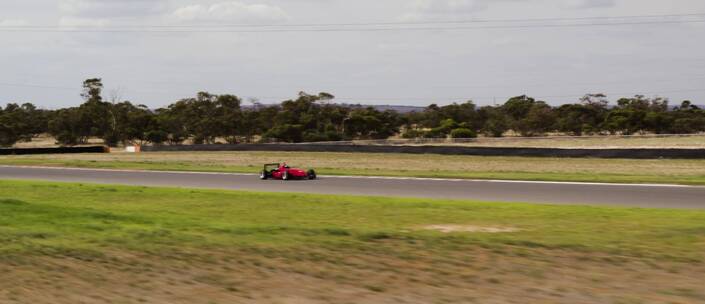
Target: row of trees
[(529, 117), (207, 118)]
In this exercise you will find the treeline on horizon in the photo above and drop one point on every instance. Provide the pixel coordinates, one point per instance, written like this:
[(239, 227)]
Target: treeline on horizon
[(313, 118)]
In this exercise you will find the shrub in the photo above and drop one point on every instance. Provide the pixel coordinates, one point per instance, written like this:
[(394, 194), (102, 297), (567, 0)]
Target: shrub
[(435, 133), (157, 137), (286, 132), (463, 133), (413, 133)]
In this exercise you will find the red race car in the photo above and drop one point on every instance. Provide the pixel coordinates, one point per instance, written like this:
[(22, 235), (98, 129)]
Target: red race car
[(284, 172)]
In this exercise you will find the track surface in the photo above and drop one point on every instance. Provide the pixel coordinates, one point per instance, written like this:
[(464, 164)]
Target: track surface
[(649, 196)]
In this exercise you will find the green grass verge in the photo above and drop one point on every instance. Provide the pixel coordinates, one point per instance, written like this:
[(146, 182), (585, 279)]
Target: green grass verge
[(81, 220)]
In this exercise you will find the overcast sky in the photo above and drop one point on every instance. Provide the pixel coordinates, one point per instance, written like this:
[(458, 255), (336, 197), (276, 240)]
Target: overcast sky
[(486, 63)]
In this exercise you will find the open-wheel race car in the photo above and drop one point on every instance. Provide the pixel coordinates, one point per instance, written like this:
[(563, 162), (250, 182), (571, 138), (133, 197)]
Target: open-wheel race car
[(284, 172)]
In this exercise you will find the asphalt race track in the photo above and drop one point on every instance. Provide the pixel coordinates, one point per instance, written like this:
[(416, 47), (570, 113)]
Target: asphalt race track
[(650, 196)]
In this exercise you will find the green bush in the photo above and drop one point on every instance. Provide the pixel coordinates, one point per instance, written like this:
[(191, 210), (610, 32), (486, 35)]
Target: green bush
[(286, 133), (463, 133), (315, 136), (157, 137), (413, 133), (435, 133)]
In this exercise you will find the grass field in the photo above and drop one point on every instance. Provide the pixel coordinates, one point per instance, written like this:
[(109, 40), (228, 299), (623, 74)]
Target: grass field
[(70, 243), (518, 168)]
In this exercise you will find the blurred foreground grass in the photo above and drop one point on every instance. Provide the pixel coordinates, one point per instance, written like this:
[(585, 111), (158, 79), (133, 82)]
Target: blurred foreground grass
[(68, 243)]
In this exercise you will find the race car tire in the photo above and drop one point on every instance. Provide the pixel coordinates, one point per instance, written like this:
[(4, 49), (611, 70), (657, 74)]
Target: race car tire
[(311, 174), (263, 175)]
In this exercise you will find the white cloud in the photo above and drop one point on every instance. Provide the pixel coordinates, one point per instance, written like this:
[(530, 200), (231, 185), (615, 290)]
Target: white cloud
[(590, 3), (111, 8), (13, 22), (456, 6), (458, 9), (431, 9), (83, 22), (232, 10)]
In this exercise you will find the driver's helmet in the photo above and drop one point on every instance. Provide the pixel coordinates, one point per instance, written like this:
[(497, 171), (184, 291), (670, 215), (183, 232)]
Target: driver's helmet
[(285, 165)]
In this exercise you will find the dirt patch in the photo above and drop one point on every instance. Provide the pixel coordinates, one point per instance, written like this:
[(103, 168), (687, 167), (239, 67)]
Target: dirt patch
[(470, 228)]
